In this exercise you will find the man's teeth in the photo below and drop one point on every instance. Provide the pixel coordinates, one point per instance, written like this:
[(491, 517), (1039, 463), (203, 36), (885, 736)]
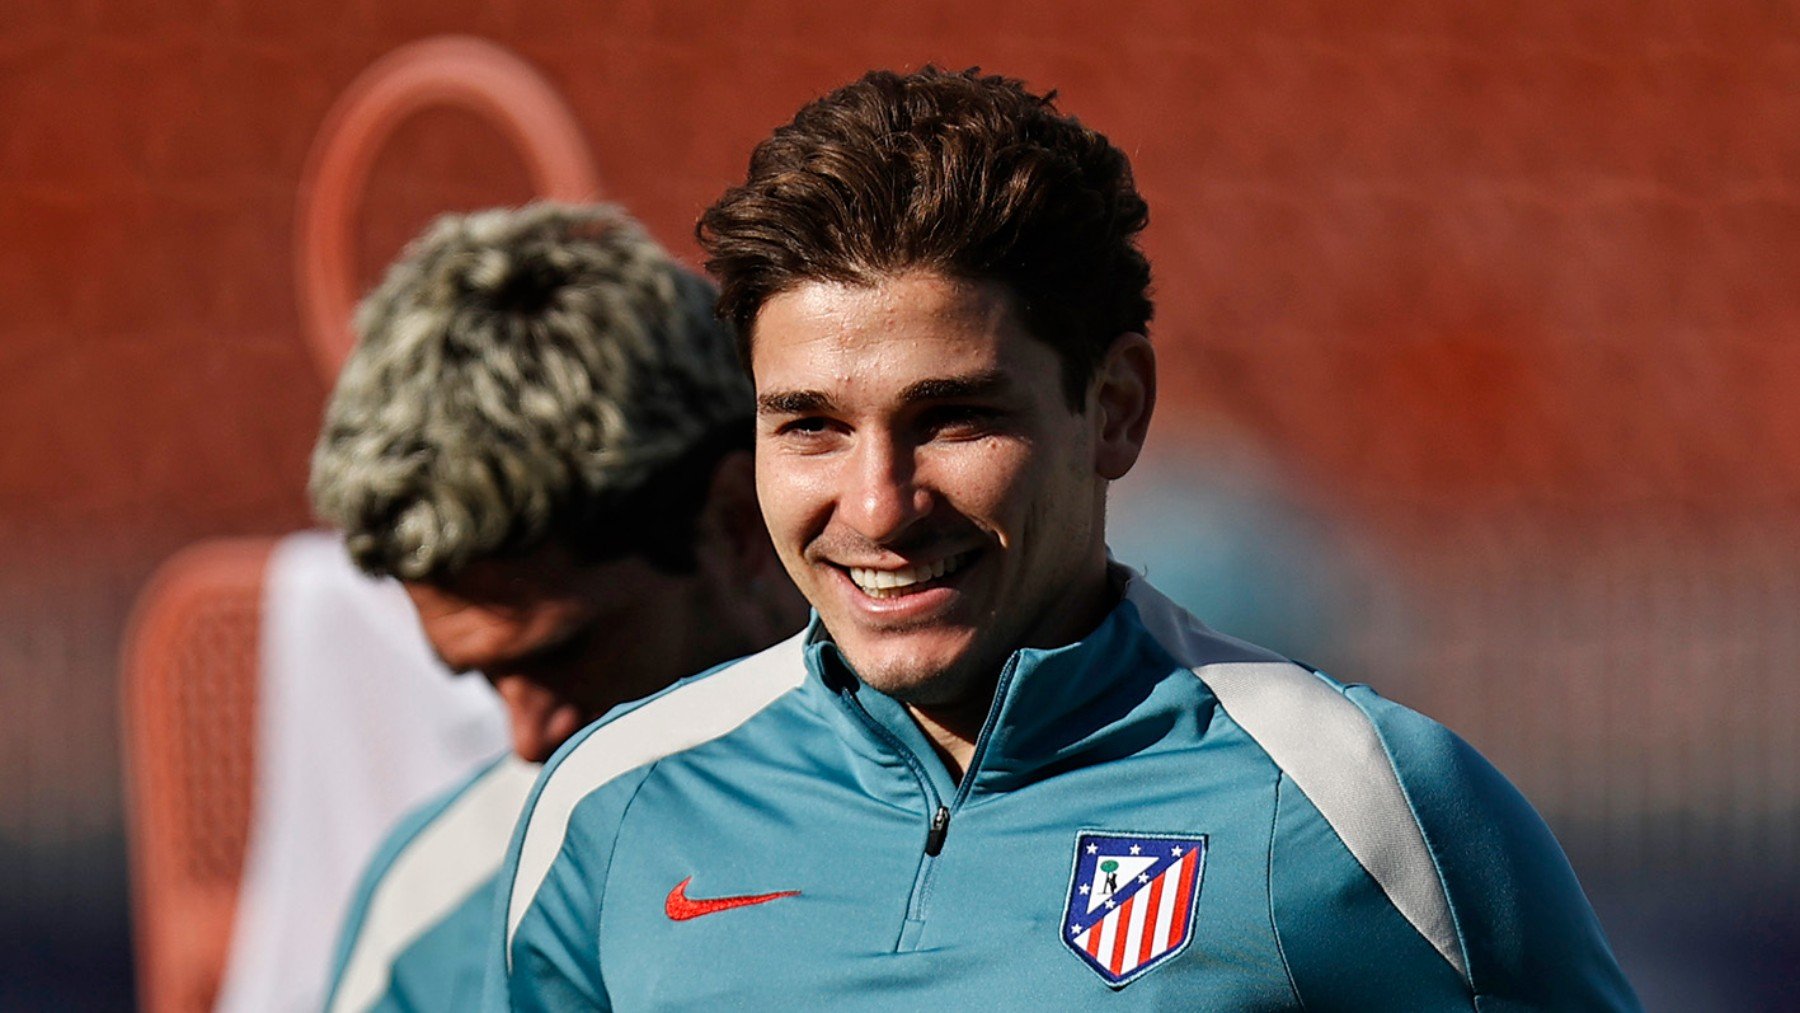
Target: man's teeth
[(889, 583)]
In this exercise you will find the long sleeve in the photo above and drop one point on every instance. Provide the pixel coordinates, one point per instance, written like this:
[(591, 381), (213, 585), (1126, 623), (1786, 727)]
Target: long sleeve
[(1517, 932), (544, 953)]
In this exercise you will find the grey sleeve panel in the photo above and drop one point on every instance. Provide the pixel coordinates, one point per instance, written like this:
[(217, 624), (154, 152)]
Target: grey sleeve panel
[(1332, 752), (1329, 748), (1531, 936), (1348, 948)]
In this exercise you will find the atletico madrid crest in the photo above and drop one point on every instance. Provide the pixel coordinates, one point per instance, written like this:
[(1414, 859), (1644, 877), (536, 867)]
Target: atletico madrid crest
[(1131, 903)]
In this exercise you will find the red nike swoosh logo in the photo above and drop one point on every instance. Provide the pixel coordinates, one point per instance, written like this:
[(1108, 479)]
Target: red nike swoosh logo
[(680, 907)]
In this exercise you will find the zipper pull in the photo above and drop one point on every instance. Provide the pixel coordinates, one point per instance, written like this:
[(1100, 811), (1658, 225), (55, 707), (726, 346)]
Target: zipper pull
[(940, 828)]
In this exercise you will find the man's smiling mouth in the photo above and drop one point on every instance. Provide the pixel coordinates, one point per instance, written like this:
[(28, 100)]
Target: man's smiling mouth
[(905, 580)]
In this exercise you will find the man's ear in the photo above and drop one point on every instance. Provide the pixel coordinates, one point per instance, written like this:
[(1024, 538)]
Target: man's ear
[(1124, 397), (731, 538), (753, 599)]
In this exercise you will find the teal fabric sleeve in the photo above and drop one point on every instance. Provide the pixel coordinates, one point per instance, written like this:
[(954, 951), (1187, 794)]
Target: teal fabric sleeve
[(1346, 946), (443, 969), (1529, 936), (555, 950), (397, 841), (551, 960)]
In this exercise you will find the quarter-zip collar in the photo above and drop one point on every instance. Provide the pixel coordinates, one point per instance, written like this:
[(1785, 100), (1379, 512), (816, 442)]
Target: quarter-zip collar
[(1108, 695)]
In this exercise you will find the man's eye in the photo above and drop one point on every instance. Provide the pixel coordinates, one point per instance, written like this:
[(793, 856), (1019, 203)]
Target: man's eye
[(809, 430), (961, 420)]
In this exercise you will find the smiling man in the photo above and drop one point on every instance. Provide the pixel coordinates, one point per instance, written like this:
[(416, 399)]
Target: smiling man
[(997, 771), (931, 486), (544, 434)]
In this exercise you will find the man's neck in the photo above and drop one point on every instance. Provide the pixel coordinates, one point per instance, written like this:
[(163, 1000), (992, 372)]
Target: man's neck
[(954, 728), (953, 732)]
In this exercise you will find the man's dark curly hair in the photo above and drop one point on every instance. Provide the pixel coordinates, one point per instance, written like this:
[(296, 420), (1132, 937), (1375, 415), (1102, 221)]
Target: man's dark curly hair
[(965, 175)]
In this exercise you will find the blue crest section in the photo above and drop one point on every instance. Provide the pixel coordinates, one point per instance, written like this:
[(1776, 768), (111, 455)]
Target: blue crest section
[(1131, 900)]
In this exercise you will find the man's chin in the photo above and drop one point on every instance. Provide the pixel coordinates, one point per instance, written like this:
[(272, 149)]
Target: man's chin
[(538, 733), (925, 668)]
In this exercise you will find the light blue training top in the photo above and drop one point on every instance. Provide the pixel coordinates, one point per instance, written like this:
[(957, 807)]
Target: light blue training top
[(1156, 816)]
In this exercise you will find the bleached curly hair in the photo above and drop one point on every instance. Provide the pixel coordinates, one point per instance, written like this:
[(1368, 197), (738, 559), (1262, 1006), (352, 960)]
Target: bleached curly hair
[(527, 373)]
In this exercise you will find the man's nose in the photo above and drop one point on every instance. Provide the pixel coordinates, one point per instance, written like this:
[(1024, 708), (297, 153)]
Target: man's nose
[(885, 496)]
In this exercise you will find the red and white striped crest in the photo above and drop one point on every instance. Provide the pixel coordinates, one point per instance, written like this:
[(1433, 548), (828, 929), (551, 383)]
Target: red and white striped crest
[(1131, 901)]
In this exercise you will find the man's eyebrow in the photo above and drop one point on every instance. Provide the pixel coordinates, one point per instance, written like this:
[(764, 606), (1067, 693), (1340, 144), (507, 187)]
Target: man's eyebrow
[(986, 383), (794, 402)]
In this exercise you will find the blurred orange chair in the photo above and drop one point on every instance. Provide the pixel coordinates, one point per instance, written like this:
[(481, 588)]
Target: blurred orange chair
[(188, 701)]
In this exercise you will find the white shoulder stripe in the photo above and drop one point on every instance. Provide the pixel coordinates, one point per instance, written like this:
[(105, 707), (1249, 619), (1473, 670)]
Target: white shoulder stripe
[(432, 876), (1330, 749), (680, 719)]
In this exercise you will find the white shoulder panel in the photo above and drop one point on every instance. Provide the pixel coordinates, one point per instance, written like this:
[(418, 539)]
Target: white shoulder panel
[(1330, 749), (1328, 746), (680, 719), (435, 873)]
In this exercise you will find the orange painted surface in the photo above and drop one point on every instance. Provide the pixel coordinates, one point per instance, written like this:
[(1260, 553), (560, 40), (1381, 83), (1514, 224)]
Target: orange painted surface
[(1454, 254)]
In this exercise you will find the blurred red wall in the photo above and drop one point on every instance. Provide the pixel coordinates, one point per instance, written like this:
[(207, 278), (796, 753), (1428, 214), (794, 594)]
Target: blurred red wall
[(1476, 255)]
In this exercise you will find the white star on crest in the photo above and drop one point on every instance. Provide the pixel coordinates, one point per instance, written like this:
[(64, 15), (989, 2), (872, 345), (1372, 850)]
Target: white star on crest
[(1143, 878), (1135, 849), (1093, 849), (1109, 903), (1084, 889), (1074, 930), (1176, 850)]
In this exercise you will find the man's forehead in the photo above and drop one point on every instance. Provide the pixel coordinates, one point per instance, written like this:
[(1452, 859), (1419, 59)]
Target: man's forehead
[(913, 287), (502, 576), (910, 338)]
